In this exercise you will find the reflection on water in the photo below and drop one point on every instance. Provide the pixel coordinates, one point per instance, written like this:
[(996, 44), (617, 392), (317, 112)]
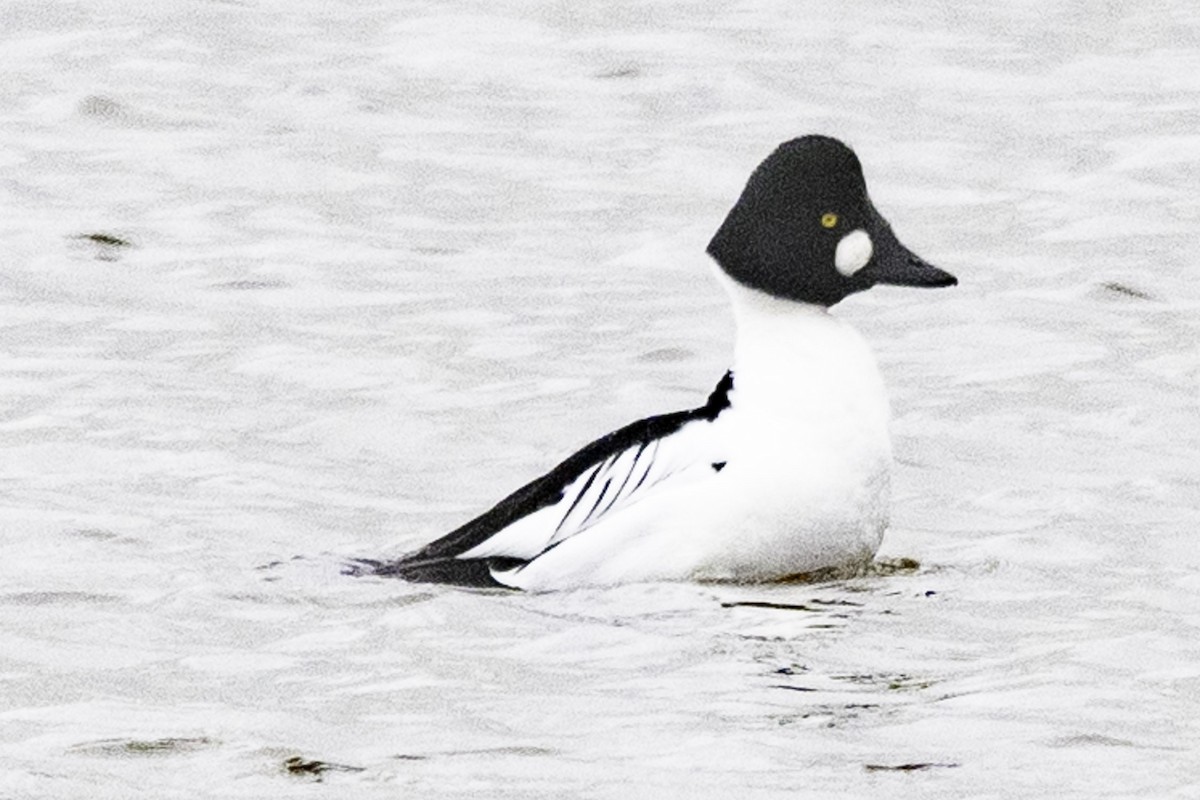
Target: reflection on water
[(283, 289)]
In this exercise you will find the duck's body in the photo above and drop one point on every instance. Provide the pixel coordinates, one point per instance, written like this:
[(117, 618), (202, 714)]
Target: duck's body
[(784, 471)]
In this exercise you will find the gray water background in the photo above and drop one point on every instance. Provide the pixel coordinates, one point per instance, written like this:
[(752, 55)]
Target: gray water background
[(388, 261)]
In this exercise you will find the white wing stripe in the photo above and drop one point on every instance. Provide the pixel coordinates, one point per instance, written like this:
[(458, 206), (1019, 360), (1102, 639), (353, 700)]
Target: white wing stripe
[(622, 466), (594, 490), (599, 500), (625, 481), (605, 489), (580, 495), (649, 465)]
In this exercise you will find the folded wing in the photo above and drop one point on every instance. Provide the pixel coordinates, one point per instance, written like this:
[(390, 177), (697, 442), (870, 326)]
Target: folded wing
[(596, 483)]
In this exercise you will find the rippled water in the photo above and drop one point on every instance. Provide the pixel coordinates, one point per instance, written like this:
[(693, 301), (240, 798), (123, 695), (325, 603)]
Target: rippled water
[(287, 283)]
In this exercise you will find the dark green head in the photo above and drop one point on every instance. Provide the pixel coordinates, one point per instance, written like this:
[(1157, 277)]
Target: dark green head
[(804, 229)]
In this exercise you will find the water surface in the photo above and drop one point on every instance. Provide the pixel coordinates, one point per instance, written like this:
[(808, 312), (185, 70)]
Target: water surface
[(283, 284)]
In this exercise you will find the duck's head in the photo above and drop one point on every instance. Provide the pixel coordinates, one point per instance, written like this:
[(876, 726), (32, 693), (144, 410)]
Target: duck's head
[(804, 229)]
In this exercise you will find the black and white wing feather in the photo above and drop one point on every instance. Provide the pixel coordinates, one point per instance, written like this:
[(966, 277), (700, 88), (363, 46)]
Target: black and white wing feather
[(595, 483)]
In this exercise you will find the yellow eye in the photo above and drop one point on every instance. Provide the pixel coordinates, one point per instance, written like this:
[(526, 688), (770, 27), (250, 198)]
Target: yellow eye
[(828, 220)]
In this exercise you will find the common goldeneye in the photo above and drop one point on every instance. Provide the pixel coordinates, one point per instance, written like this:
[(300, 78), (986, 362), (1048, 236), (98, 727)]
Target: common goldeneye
[(783, 471)]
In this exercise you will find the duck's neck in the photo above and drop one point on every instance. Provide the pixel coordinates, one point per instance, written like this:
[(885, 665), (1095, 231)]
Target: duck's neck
[(795, 358)]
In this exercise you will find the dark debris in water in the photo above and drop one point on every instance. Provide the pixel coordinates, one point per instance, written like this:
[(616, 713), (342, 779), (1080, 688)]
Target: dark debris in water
[(917, 766), (271, 566), (108, 246), (106, 239), (906, 682), (170, 745), (315, 768), (1126, 290), (794, 669), (893, 682)]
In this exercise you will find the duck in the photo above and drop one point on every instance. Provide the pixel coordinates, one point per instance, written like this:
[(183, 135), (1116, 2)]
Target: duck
[(783, 472)]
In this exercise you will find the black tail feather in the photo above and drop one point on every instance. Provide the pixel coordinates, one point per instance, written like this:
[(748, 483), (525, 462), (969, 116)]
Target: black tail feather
[(472, 572)]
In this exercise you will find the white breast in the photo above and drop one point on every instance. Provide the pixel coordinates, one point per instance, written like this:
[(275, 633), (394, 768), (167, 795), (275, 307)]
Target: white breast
[(808, 480)]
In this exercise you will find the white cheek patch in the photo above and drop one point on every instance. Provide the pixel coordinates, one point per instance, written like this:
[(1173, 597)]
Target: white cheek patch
[(853, 252)]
